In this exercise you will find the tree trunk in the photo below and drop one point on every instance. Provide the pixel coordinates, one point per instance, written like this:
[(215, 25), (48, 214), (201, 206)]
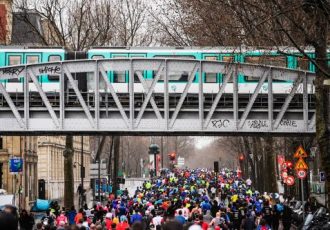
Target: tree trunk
[(248, 150), (259, 163), (68, 173), (116, 142), (270, 166), (109, 160), (322, 100)]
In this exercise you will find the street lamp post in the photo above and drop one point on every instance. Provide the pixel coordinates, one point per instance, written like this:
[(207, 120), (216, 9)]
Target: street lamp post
[(82, 169), (82, 174), (154, 150)]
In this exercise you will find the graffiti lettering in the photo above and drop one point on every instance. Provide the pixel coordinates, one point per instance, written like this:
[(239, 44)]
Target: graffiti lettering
[(220, 123), (50, 70), (288, 123), (12, 71), (257, 124)]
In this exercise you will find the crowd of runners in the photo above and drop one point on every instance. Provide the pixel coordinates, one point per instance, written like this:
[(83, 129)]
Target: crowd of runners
[(180, 199)]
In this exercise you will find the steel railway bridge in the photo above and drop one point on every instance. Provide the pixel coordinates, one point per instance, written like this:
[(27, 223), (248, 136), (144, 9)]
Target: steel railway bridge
[(150, 107)]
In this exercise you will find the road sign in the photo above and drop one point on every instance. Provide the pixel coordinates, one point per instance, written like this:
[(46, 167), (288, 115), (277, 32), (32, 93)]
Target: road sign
[(289, 180), (16, 165), (95, 166), (300, 165), (301, 174), (284, 175), (300, 153), (94, 170), (180, 161)]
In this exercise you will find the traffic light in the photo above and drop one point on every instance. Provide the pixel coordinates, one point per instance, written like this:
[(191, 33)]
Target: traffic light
[(289, 164), (241, 157), (172, 156)]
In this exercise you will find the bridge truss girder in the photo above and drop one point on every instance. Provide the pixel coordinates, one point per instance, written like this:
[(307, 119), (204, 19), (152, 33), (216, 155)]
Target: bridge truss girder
[(138, 118)]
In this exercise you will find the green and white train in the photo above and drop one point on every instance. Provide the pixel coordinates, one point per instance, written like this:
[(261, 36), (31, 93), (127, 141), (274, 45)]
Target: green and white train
[(212, 82)]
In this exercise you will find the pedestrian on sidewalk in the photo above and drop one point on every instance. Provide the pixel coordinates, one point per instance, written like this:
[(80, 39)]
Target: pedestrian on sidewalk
[(26, 220)]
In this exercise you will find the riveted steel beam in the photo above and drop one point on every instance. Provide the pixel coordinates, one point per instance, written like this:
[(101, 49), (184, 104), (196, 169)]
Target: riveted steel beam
[(148, 92), (12, 106), (113, 94), (253, 98), (288, 99), (184, 94), (227, 77), (79, 96), (43, 96)]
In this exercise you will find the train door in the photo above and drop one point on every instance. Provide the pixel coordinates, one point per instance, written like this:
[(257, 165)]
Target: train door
[(80, 78), (138, 55), (137, 83), (32, 58), (119, 78), (90, 77), (211, 80)]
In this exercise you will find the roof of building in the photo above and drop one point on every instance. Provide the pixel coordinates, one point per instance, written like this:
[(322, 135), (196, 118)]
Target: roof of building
[(27, 29)]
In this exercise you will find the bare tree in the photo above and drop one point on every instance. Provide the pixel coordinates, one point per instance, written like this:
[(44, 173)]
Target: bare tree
[(132, 26), (78, 25)]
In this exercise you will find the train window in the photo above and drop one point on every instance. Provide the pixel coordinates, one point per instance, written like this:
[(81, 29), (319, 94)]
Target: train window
[(96, 57), (54, 58), (181, 76), (175, 56), (228, 58), (32, 59), (211, 77), (272, 60), (14, 60), (302, 63)]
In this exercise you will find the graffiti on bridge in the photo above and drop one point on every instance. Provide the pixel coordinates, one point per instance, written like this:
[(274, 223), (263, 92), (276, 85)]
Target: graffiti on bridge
[(50, 70), (220, 123)]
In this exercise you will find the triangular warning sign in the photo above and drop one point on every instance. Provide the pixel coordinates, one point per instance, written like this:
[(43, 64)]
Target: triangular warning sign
[(301, 165), (300, 152)]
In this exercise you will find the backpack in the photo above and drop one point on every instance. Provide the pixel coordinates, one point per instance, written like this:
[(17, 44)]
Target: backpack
[(264, 228), (280, 208)]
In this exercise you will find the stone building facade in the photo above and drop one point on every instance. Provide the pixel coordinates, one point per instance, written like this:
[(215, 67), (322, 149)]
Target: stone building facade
[(51, 164), (6, 18), (23, 185)]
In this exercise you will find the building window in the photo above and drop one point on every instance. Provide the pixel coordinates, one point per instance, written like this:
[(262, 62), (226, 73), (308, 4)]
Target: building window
[(1, 143)]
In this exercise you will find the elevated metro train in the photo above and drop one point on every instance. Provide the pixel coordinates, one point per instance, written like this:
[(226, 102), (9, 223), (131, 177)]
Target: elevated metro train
[(212, 82)]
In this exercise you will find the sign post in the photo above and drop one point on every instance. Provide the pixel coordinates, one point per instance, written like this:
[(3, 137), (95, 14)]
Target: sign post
[(301, 167)]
